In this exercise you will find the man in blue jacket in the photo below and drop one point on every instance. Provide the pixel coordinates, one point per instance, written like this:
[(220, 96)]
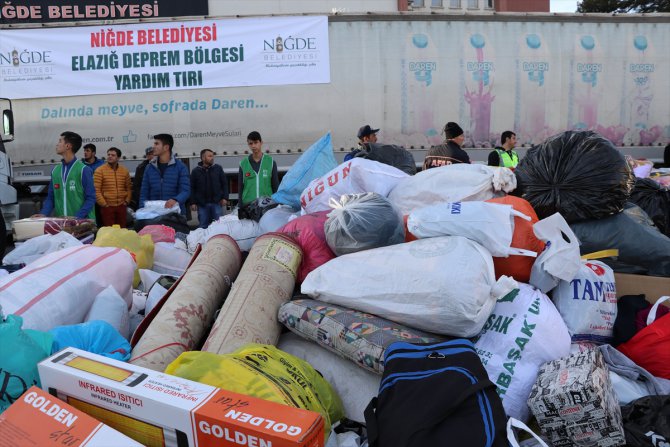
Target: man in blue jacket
[(165, 177), (210, 189)]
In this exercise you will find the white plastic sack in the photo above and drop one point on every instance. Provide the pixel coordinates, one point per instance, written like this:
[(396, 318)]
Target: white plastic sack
[(147, 279), (452, 183), (489, 224), (276, 218), (170, 260), (588, 303), (523, 332), (627, 390), (155, 208), (39, 246), (244, 231), (560, 259), (445, 285), (58, 289), (110, 307), (354, 176)]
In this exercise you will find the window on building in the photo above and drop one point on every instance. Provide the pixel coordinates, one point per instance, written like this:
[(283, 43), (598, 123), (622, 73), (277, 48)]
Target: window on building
[(489, 4), (473, 4), (416, 3), (454, 3), (436, 3)]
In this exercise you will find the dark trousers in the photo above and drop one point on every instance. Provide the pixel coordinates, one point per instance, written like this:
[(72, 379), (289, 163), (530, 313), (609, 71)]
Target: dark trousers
[(113, 215)]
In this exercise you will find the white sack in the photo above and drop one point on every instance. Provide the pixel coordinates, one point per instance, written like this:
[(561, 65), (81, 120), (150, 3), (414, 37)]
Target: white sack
[(354, 176), (560, 259), (452, 183), (523, 332), (58, 289), (587, 303), (244, 231), (155, 208), (276, 218), (39, 246), (445, 285), (109, 306), (489, 224), (147, 279), (170, 260)]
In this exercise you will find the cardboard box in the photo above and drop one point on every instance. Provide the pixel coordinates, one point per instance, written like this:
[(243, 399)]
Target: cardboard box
[(157, 409), (39, 419), (575, 404), (653, 287)]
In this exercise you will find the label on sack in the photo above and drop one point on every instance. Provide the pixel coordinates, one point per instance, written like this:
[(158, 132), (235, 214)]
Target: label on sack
[(284, 254), (333, 178), (588, 303)]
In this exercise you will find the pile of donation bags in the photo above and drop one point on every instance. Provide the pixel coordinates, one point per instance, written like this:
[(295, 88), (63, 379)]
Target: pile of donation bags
[(395, 308)]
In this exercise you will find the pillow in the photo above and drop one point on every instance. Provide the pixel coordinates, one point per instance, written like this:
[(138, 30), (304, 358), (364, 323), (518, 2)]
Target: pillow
[(357, 336)]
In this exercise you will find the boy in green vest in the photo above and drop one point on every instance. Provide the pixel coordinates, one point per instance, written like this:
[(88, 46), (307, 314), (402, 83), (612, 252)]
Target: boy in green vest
[(504, 155), (257, 176), (71, 190)]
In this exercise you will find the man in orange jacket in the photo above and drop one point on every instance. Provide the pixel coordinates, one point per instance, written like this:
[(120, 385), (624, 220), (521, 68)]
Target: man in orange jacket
[(112, 189)]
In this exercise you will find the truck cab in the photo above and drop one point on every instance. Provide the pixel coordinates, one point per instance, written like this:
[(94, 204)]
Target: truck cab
[(9, 206)]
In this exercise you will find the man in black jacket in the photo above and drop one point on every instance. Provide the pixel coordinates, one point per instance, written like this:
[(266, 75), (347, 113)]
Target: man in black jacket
[(139, 174), (209, 189)]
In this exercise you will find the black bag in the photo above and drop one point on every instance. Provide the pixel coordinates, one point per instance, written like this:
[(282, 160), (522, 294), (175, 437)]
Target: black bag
[(255, 210), (646, 422), (655, 201), (434, 395), (578, 174), (172, 220), (395, 156)]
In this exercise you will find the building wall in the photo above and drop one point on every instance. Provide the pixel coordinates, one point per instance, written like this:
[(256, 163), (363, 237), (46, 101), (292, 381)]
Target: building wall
[(266, 7), (522, 5)]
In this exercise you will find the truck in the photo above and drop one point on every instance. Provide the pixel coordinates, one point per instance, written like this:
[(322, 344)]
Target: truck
[(9, 207), (407, 74)]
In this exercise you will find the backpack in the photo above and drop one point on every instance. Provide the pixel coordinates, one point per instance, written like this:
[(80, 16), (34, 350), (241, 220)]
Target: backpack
[(432, 394)]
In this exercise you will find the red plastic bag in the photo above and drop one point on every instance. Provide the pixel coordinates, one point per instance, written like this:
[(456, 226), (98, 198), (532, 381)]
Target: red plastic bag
[(519, 267), (308, 232), (159, 233), (650, 348)]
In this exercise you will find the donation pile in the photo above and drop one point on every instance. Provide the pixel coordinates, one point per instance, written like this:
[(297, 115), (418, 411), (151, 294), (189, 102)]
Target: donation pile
[(362, 305)]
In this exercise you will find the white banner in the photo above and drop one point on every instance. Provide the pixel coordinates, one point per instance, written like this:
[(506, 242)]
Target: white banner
[(36, 63)]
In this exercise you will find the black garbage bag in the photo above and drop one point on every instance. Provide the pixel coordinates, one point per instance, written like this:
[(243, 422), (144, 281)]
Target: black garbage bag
[(655, 201), (361, 222), (395, 156), (172, 220), (642, 248), (578, 174), (257, 208), (646, 422)]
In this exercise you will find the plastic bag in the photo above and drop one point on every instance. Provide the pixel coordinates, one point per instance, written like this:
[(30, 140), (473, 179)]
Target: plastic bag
[(141, 247), (655, 201), (391, 155), (519, 267), (361, 222), (98, 337), (19, 356), (158, 233), (244, 231), (489, 224), (315, 162), (309, 233), (266, 372), (588, 303), (170, 260), (108, 306), (646, 421), (352, 177), (579, 174), (155, 208), (452, 183), (39, 246), (276, 218), (256, 209), (642, 249), (175, 221)]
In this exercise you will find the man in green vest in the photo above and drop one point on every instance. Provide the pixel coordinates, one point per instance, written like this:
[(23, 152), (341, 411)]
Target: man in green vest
[(257, 176), (71, 190), (504, 155)]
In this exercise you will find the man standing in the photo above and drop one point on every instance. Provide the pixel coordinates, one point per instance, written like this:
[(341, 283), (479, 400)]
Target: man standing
[(505, 156), (366, 134), (257, 176), (112, 189), (71, 191), (90, 159), (139, 174), (165, 177), (449, 152), (209, 189)]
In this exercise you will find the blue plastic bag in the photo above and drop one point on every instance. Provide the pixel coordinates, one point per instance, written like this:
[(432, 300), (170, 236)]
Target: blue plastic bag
[(20, 353), (98, 337), (315, 162)]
